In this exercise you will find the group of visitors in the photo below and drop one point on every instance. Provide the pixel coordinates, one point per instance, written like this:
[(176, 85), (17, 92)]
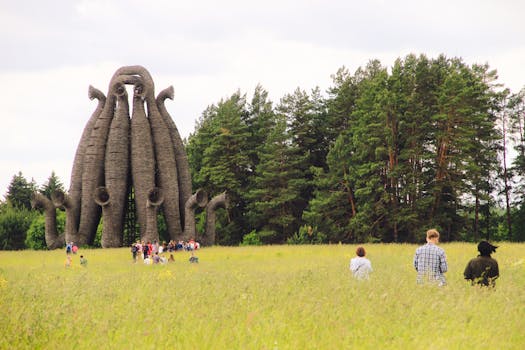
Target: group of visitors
[(430, 263), (155, 253), (71, 248)]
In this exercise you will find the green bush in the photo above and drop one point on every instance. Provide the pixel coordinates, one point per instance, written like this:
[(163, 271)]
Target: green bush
[(98, 235), (251, 238), (307, 235), (14, 224), (36, 235)]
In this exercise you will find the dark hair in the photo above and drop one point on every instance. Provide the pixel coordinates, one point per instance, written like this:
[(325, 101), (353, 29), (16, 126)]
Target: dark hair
[(485, 248), (360, 251)]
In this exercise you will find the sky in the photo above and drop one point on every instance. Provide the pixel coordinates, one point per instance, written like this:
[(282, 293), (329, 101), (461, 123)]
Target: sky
[(51, 51)]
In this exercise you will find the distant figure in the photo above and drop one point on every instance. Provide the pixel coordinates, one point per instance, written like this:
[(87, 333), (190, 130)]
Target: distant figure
[(147, 261), (134, 251), (154, 247), (193, 258), (83, 261), (171, 258), (68, 261), (483, 270), (191, 244), (74, 249), (156, 258), (145, 249), (430, 261), (360, 266), (139, 249), (69, 247)]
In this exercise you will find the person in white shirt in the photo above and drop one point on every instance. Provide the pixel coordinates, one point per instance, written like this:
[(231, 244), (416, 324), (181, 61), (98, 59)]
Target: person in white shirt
[(360, 266)]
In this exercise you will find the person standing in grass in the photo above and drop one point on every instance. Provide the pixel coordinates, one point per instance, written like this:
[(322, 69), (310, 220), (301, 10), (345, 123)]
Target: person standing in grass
[(134, 251), (360, 266), (83, 261), (483, 270), (69, 261), (430, 261), (69, 247)]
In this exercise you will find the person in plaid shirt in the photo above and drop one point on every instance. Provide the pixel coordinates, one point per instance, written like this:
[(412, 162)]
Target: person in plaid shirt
[(430, 261)]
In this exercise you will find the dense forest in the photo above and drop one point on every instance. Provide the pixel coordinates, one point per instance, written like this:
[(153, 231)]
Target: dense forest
[(380, 156), (383, 155)]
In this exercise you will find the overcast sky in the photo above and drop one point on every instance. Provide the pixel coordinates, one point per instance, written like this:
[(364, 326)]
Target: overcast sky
[(51, 51)]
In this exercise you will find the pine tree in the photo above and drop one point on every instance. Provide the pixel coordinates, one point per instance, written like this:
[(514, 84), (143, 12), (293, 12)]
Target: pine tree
[(220, 148), (277, 187), (302, 114), (20, 191), (52, 184)]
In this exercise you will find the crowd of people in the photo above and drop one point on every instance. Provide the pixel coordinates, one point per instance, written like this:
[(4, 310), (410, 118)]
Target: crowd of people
[(155, 253), (430, 262)]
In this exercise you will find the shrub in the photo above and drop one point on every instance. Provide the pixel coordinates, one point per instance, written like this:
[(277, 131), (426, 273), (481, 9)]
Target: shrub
[(36, 234), (251, 238), (14, 224), (307, 235)]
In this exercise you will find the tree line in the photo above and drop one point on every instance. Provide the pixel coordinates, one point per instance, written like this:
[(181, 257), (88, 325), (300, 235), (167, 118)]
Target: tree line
[(381, 155)]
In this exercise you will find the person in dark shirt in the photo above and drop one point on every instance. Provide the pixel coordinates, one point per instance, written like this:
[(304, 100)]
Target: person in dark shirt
[(483, 270)]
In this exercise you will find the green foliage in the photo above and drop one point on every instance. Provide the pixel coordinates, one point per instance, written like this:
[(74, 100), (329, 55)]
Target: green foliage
[(307, 235), (200, 221), (14, 224), (251, 238), (384, 154), (419, 144), (19, 192), (98, 236), (52, 184), (518, 224), (36, 235), (220, 158), (275, 196), (162, 228)]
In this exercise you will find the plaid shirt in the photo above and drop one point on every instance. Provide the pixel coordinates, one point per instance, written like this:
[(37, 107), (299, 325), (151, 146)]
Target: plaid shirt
[(431, 264)]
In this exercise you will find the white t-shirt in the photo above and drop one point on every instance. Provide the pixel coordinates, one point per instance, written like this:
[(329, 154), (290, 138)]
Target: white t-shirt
[(360, 267)]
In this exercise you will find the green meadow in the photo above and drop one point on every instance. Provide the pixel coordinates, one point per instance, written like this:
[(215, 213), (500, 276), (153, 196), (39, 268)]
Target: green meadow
[(266, 297)]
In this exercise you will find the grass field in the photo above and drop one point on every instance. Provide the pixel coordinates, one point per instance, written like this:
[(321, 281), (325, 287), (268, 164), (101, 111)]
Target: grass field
[(270, 297)]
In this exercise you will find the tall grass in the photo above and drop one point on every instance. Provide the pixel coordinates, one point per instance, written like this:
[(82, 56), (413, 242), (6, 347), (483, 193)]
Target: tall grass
[(267, 297)]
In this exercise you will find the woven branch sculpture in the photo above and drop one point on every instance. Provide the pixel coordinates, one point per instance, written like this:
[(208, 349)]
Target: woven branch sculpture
[(116, 147)]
